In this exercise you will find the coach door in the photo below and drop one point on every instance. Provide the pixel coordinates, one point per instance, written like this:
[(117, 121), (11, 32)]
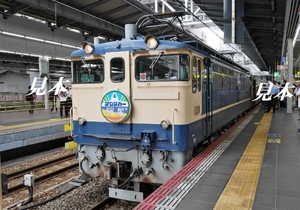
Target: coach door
[(207, 102), (117, 89)]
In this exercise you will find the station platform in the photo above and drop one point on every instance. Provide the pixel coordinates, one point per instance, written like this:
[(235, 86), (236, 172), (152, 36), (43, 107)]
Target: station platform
[(254, 165), (19, 129)]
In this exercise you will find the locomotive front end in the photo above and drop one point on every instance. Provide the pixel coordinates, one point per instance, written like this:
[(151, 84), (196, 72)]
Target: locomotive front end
[(130, 110)]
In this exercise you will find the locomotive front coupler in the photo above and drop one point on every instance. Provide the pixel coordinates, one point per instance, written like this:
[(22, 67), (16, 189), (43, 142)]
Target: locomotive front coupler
[(136, 172)]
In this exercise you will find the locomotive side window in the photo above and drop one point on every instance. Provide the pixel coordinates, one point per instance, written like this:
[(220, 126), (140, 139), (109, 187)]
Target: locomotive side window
[(226, 79), (217, 78), (162, 68), (197, 73), (88, 71), (117, 70), (245, 83), (234, 84), (238, 78)]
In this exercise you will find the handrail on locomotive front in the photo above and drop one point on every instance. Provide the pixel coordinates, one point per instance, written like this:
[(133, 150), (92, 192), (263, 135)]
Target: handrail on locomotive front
[(71, 121), (173, 126)]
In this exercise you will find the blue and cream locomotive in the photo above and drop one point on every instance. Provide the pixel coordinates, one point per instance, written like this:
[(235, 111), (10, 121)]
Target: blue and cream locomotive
[(142, 105)]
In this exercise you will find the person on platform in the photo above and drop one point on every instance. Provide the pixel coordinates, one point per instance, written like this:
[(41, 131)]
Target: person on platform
[(30, 97), (62, 96), (52, 99), (69, 100), (274, 100)]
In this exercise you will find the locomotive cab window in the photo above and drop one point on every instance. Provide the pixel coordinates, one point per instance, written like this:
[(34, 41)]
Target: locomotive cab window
[(197, 73), (162, 68), (88, 71), (117, 70)]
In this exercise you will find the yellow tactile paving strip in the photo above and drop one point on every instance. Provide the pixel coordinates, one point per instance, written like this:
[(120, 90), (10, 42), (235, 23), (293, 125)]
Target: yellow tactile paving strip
[(240, 190)]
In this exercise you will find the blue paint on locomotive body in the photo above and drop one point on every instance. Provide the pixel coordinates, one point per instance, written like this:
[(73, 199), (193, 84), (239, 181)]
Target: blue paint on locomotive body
[(87, 134), (129, 45)]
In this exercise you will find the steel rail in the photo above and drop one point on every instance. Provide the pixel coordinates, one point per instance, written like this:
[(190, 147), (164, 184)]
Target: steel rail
[(34, 168), (103, 204), (42, 178)]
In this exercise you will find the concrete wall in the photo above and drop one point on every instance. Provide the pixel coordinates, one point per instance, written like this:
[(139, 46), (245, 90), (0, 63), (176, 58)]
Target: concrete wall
[(13, 82)]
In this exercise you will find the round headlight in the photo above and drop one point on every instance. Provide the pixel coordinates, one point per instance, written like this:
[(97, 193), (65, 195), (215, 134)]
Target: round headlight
[(88, 47), (152, 42), (165, 124), (81, 120)]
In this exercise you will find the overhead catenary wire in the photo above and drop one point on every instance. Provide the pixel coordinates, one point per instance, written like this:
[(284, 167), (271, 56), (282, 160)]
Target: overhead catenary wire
[(191, 13)]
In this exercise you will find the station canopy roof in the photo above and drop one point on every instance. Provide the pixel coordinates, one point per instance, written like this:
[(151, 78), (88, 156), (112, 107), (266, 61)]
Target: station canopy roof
[(267, 24)]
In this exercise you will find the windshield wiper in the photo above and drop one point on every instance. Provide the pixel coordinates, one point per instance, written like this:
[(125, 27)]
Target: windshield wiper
[(154, 61), (86, 66)]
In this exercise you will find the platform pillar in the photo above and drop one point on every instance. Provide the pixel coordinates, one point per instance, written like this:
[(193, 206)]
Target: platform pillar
[(44, 72), (290, 72)]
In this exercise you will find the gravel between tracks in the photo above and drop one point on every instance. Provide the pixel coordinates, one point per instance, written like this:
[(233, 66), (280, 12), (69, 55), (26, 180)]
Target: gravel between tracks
[(33, 161), (80, 198), (83, 197)]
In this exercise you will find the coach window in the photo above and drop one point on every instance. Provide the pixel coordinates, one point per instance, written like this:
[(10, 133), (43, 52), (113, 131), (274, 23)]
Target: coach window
[(226, 79), (88, 71), (117, 70), (196, 81), (234, 81)]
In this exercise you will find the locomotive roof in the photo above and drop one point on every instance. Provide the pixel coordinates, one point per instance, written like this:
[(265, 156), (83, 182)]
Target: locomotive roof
[(138, 44), (129, 45)]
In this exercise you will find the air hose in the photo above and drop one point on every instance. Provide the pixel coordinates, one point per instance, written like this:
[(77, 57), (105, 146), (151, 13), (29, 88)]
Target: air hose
[(83, 171), (127, 180)]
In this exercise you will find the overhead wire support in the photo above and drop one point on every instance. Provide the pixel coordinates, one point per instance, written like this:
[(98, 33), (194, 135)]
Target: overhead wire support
[(191, 13), (161, 20)]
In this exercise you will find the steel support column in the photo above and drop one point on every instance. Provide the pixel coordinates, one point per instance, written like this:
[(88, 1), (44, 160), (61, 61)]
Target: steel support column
[(290, 72)]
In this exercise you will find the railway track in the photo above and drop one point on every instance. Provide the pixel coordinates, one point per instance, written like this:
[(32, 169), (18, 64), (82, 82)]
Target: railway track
[(37, 167), (47, 187), (16, 176), (103, 204)]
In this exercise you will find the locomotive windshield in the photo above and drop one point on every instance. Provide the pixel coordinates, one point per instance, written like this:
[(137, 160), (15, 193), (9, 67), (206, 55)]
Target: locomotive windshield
[(88, 71), (162, 67)]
